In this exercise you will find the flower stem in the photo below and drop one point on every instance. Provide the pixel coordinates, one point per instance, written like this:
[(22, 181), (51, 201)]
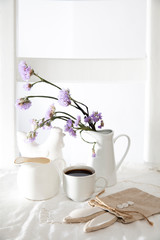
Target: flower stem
[(36, 83), (60, 117), (44, 80), (66, 114), (41, 96), (84, 139), (76, 102), (78, 107)]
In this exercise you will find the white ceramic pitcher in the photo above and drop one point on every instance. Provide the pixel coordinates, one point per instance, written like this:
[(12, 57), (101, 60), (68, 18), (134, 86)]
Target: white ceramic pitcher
[(104, 162)]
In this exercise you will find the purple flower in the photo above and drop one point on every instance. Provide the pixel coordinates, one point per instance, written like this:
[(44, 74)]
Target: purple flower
[(101, 125), (72, 132), (77, 121), (64, 98), (69, 128), (66, 128), (48, 125), (25, 71), (31, 136), (96, 116), (69, 123), (27, 86), (23, 103), (93, 152), (50, 112), (87, 119)]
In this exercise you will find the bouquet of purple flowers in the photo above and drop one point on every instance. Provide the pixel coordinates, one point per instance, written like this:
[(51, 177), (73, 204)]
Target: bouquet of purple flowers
[(72, 124)]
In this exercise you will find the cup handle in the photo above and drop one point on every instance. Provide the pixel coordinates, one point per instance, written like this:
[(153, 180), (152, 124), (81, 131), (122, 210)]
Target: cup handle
[(127, 149), (101, 187)]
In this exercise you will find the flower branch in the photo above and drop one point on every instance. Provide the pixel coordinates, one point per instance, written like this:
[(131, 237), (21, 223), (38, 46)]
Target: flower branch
[(45, 81), (86, 122)]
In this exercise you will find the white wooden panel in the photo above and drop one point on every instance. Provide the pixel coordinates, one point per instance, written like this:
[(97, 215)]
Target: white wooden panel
[(7, 85), (81, 29)]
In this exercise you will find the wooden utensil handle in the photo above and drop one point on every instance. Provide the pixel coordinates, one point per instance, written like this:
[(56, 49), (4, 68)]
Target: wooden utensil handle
[(21, 160)]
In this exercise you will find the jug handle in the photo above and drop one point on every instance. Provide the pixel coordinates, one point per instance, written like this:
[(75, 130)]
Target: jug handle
[(127, 149)]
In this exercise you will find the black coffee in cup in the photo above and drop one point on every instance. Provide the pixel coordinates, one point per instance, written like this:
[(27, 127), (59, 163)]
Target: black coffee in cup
[(79, 172)]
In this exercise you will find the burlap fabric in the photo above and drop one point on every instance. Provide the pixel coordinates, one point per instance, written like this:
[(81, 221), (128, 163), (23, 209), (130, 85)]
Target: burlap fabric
[(144, 205)]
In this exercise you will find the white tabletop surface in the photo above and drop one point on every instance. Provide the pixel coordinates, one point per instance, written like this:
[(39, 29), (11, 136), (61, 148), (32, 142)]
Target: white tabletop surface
[(20, 218)]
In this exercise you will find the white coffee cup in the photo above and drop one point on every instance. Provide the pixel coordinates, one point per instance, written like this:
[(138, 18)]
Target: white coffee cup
[(79, 182)]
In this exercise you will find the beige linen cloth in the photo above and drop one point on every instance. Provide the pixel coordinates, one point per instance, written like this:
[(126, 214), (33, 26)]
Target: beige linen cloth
[(144, 205)]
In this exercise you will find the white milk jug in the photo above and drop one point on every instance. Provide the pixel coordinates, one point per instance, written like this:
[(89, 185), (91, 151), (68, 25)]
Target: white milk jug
[(104, 162)]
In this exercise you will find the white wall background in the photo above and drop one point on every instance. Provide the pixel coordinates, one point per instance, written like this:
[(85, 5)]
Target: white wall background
[(81, 29)]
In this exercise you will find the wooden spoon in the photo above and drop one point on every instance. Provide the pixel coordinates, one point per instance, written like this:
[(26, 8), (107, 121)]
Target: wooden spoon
[(21, 160)]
